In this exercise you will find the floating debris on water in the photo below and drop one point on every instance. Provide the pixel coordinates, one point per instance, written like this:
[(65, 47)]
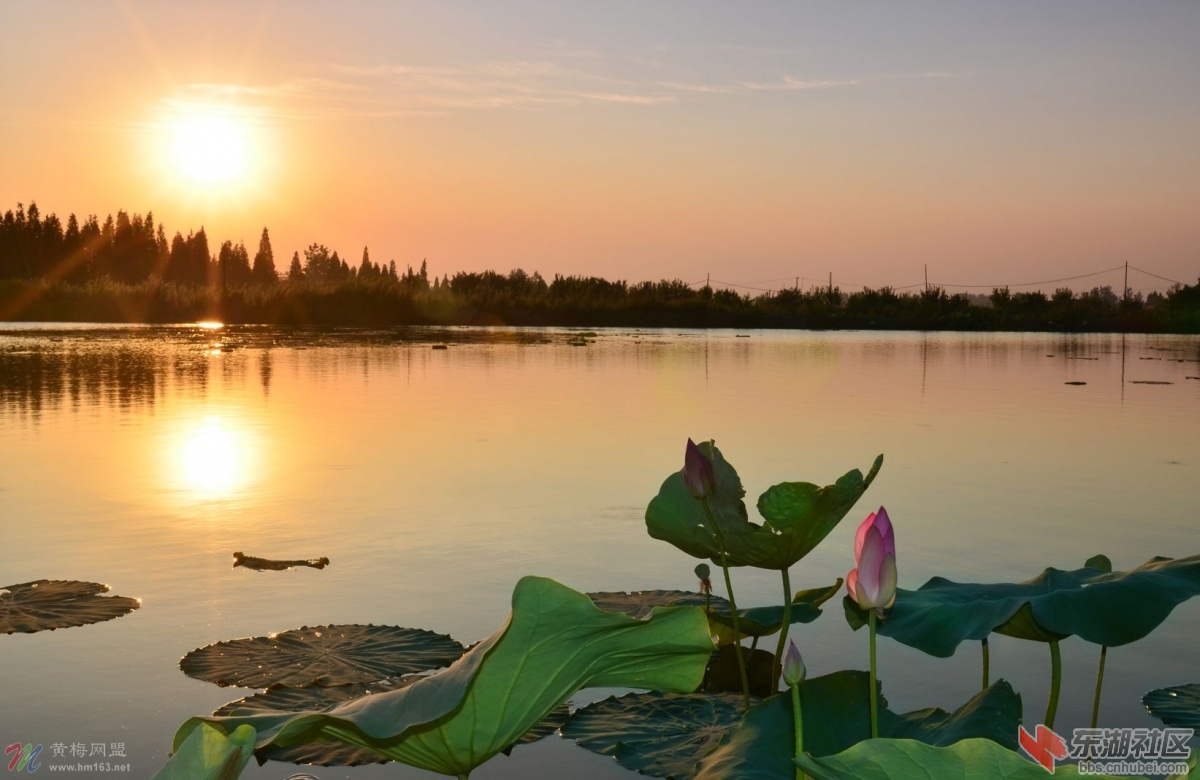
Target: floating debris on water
[(1074, 383), (1149, 382), (440, 346), (267, 564)]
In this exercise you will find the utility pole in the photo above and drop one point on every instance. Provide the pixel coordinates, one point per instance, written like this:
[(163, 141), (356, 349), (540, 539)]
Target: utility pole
[(831, 282), (1125, 292), (927, 277), (797, 287), (708, 281)]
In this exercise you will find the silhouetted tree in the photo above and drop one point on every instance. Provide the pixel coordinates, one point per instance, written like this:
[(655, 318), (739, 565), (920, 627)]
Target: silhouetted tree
[(263, 271)]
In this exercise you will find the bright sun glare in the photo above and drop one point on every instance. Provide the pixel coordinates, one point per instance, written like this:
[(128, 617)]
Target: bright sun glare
[(214, 460), (210, 146)]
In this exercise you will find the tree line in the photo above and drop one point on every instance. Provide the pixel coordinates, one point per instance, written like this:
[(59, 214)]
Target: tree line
[(124, 269)]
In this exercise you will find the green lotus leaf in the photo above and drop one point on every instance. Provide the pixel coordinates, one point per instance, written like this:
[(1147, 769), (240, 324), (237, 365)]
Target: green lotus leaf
[(678, 517), (903, 759), (322, 655), (46, 605), (1105, 608), (1178, 705), (667, 736), (798, 516), (836, 716), (283, 700), (554, 643), (210, 754), (658, 734)]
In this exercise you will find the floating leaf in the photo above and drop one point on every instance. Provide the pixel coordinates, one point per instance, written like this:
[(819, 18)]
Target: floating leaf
[(46, 605), (902, 759), (666, 735), (1178, 705), (1105, 608), (640, 603), (324, 655), (554, 643), (210, 754), (544, 728), (658, 734), (798, 515), (269, 564), (836, 716), (753, 622)]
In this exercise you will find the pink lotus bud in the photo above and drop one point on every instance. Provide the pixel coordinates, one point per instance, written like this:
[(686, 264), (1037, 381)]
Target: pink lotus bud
[(793, 666), (872, 584), (697, 472)]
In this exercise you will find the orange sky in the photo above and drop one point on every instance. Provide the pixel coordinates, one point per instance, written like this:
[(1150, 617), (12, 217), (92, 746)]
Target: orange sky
[(999, 144)]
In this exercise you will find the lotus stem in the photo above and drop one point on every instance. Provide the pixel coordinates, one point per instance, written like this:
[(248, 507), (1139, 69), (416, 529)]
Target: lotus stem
[(986, 662), (737, 628), (777, 669), (798, 718), (1099, 684), (1055, 684), (874, 685)]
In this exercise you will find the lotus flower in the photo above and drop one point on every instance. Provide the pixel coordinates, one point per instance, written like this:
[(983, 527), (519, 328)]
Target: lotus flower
[(793, 665), (698, 472), (872, 584)]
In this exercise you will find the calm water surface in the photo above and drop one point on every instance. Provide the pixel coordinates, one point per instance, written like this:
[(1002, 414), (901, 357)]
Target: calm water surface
[(434, 479)]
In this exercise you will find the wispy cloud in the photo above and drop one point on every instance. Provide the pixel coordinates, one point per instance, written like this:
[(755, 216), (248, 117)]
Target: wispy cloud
[(792, 84)]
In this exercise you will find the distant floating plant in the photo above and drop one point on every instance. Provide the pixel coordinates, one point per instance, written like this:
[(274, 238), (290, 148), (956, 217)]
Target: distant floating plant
[(46, 605)]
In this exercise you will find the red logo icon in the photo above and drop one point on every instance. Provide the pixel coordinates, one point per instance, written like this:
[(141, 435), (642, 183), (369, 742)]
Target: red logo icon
[(1045, 748)]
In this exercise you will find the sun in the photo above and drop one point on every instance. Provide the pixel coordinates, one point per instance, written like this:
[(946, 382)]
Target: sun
[(212, 147)]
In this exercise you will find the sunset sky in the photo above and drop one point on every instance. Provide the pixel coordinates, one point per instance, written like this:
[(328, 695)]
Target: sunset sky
[(1000, 143)]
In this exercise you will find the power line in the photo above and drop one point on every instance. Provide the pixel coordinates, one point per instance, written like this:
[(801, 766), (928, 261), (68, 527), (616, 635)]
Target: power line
[(1156, 276), (1030, 284)]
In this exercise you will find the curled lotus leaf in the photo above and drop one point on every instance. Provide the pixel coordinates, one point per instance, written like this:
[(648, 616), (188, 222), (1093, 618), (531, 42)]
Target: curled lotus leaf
[(797, 516), (46, 605), (322, 655), (1177, 706), (554, 643), (210, 754), (1103, 607), (658, 734), (836, 717), (333, 753)]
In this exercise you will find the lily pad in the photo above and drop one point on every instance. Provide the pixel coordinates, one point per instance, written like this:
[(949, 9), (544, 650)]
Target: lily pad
[(554, 643), (902, 759), (46, 605), (658, 734), (798, 516), (753, 622), (1102, 607), (1178, 705), (324, 655), (704, 734), (270, 564)]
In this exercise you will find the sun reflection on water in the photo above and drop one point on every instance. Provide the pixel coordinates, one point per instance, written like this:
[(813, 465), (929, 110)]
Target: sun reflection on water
[(215, 460)]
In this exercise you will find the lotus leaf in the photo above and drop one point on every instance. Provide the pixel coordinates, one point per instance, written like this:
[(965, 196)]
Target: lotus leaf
[(210, 754), (896, 759), (659, 734), (667, 735), (332, 753), (1178, 705), (46, 605), (798, 516), (323, 655), (754, 622), (1106, 608), (554, 643)]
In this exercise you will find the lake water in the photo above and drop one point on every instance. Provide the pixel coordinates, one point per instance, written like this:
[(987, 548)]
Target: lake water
[(143, 457)]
